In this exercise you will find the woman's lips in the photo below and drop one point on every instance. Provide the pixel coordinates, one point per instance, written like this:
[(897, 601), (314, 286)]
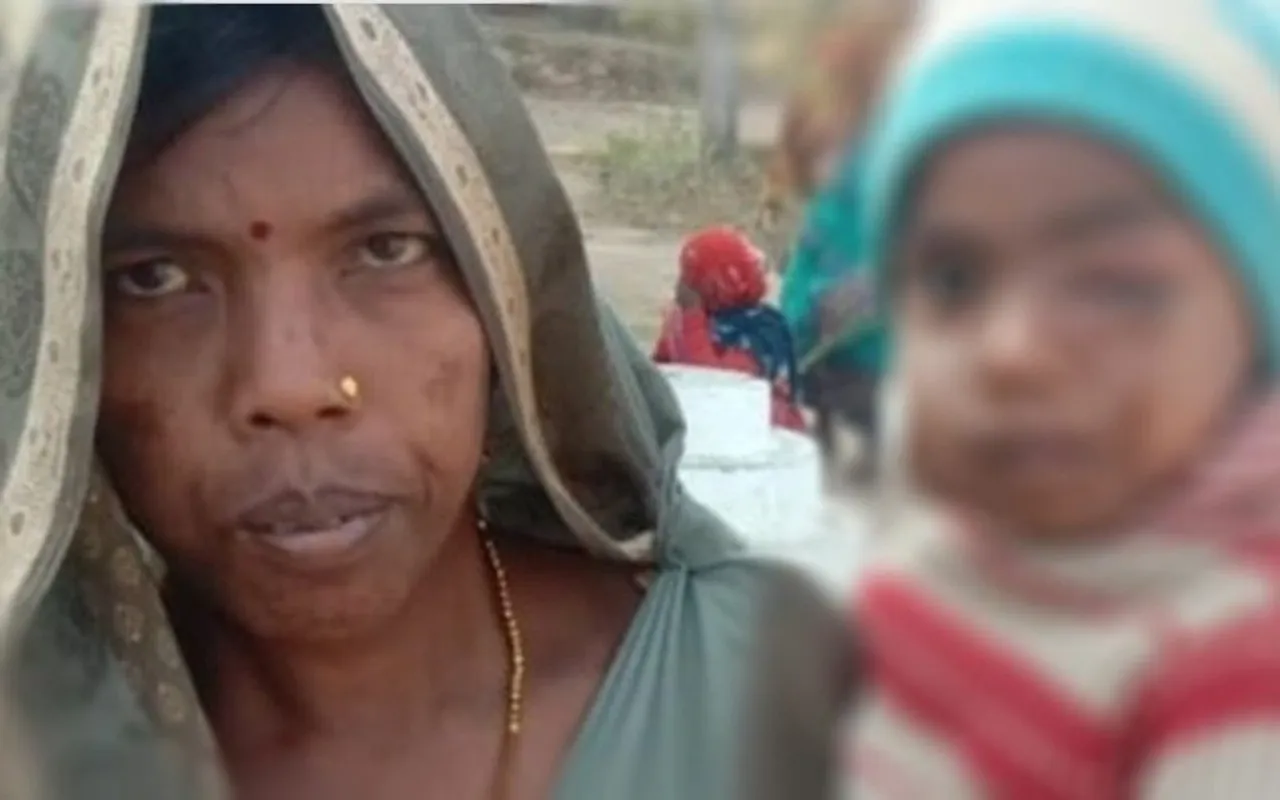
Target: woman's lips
[(339, 536), (317, 525)]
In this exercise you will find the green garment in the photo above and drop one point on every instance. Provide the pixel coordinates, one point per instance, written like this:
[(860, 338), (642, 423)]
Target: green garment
[(585, 435), (829, 251)]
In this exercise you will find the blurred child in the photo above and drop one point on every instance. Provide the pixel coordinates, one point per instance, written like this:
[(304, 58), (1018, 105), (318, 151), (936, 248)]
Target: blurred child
[(1078, 206), (720, 318)]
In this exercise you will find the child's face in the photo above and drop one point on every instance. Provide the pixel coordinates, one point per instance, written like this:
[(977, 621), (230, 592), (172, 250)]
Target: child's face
[(1070, 338)]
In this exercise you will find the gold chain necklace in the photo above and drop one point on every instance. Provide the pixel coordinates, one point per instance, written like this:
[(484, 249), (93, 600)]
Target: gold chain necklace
[(515, 667)]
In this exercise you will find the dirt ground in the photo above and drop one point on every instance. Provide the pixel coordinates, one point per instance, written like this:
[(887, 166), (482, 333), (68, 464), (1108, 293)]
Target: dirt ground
[(634, 267), (617, 101)]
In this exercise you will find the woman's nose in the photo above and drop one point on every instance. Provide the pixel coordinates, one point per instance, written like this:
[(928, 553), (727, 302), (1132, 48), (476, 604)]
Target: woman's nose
[(285, 376)]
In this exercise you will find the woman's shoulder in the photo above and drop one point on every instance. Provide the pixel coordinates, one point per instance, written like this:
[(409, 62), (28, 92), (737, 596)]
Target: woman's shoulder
[(758, 586), (796, 631), (801, 684), (701, 658), (751, 611)]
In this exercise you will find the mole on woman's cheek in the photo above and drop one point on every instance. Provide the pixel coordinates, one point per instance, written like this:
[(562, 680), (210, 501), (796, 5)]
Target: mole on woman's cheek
[(260, 230)]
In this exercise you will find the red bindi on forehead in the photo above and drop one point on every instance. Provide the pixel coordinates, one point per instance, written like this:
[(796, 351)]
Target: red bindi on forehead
[(260, 230)]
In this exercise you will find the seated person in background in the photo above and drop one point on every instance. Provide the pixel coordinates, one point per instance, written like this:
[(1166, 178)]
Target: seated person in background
[(720, 318)]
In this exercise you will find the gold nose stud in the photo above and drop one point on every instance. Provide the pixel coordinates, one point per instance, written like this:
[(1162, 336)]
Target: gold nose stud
[(350, 389)]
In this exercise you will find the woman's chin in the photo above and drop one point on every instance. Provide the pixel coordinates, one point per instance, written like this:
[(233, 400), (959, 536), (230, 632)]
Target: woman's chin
[(324, 585)]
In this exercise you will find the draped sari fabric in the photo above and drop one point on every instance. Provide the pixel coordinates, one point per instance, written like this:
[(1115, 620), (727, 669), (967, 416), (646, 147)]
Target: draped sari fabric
[(584, 434)]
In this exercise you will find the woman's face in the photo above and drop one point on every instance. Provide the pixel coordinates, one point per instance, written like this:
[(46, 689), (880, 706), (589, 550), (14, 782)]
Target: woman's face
[(1071, 340), (274, 252)]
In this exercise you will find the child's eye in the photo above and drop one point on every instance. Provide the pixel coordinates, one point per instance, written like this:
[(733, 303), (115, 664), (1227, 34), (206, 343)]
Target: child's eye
[(393, 250), (952, 283), (149, 279), (948, 271), (1125, 291)]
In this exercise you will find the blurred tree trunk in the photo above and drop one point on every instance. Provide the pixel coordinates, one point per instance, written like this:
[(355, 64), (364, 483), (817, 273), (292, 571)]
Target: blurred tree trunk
[(720, 89)]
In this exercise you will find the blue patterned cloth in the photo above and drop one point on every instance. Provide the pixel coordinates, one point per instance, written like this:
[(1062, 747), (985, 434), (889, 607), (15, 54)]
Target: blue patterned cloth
[(763, 331)]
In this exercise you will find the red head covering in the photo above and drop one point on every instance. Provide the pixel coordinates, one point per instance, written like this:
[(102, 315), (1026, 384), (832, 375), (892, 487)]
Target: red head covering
[(723, 268)]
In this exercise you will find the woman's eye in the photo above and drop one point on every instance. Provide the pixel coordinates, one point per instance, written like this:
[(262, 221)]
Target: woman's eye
[(392, 250), (149, 279)]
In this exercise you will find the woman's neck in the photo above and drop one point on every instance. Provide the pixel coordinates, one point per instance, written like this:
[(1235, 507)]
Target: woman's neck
[(443, 654)]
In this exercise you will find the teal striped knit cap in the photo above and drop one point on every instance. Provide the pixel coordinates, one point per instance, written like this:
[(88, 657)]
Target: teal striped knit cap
[(1190, 86)]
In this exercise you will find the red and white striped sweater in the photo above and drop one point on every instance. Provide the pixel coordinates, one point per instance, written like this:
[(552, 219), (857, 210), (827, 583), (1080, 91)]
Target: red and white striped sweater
[(1144, 667)]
